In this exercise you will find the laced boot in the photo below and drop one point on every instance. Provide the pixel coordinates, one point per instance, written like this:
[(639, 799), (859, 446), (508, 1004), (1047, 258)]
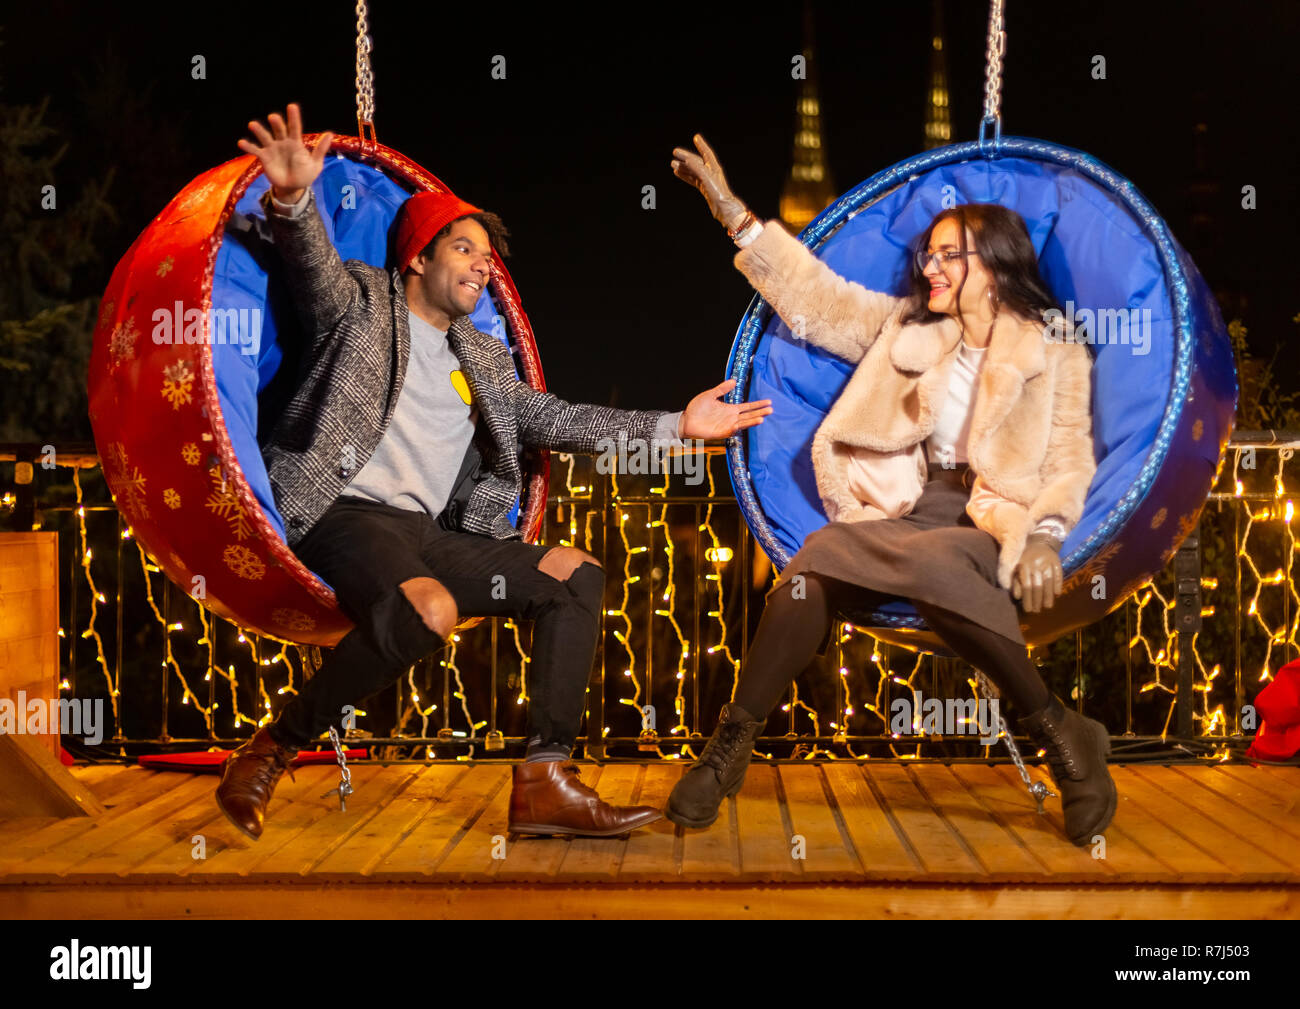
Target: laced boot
[(249, 776), (1076, 749), (719, 772)]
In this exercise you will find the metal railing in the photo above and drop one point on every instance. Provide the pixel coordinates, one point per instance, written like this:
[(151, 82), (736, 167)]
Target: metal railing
[(684, 589)]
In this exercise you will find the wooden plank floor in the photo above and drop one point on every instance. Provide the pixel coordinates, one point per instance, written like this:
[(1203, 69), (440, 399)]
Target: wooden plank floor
[(838, 838)]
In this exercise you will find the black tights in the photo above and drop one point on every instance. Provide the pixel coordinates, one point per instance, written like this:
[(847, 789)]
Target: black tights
[(798, 617)]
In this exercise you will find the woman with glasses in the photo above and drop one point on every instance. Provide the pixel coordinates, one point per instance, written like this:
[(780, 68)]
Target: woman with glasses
[(952, 467)]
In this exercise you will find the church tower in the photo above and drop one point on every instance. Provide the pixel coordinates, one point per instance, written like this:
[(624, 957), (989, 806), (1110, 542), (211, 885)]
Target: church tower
[(808, 190), (938, 117)]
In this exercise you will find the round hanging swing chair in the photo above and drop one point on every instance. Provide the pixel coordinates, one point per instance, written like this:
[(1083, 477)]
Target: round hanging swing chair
[(1162, 403), (194, 344)]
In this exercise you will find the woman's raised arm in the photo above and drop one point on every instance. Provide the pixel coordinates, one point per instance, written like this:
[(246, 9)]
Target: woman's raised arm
[(818, 305)]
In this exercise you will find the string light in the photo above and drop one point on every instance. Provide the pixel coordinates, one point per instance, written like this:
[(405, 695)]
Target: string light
[(622, 636), (1156, 639), (95, 598), (169, 660), (1161, 649)]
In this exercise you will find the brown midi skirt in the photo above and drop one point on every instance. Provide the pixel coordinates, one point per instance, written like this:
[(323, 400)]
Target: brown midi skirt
[(935, 554)]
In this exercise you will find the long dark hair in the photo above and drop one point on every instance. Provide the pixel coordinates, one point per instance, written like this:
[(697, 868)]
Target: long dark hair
[(1002, 241)]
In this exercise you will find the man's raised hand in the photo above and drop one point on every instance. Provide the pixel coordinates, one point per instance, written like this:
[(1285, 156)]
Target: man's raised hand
[(708, 417), (289, 166)]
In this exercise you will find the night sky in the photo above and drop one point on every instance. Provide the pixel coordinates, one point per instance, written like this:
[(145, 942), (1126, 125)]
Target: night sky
[(639, 307)]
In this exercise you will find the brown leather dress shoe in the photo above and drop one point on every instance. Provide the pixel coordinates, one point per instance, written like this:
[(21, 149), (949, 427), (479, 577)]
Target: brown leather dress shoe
[(248, 777), (547, 797)]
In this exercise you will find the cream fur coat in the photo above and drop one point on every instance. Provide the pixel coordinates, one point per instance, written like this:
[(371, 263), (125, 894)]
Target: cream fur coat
[(1031, 426)]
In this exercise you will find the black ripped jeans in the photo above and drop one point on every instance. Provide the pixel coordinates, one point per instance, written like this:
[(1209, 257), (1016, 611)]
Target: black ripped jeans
[(364, 550)]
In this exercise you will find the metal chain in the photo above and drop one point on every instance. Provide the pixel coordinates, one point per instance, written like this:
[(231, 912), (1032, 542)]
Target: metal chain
[(344, 788), (997, 48), (1038, 790), (365, 79)]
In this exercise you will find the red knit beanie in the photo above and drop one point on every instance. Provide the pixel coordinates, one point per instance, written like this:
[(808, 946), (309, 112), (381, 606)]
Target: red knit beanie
[(423, 216)]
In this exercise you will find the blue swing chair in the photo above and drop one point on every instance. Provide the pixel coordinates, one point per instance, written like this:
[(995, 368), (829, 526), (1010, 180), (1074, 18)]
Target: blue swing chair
[(1163, 402)]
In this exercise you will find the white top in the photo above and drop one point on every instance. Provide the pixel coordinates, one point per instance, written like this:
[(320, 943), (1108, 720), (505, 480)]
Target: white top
[(872, 477), (952, 429)]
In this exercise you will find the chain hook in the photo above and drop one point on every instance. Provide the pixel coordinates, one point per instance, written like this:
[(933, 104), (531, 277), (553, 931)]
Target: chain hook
[(997, 137)]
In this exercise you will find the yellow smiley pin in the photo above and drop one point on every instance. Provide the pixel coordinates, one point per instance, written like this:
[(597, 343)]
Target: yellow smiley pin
[(461, 386)]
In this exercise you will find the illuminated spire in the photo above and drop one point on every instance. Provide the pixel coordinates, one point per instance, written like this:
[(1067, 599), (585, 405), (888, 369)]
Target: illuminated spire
[(938, 118), (808, 189)]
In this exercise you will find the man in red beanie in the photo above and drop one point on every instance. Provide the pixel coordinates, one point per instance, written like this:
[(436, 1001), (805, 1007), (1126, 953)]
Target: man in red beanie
[(396, 464)]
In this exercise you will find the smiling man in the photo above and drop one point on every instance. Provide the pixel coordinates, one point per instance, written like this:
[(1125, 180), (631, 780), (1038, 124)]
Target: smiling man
[(396, 465)]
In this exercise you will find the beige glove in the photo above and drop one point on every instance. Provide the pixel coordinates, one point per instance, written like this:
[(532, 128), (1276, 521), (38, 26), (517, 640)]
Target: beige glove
[(705, 173), (1038, 577)]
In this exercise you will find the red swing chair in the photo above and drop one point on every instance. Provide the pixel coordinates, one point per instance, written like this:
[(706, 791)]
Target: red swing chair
[(191, 330)]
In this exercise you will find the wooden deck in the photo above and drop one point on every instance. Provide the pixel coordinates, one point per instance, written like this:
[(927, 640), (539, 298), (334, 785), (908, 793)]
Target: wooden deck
[(879, 839)]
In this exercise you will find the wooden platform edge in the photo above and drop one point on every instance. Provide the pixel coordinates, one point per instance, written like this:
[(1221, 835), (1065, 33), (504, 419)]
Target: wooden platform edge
[(36, 784), (496, 901)]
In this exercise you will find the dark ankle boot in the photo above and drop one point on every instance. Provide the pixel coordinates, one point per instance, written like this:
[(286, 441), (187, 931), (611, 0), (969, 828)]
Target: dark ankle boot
[(249, 777), (1076, 755), (719, 772)]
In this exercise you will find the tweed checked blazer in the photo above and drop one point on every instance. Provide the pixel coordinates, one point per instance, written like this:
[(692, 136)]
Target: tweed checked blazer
[(356, 318)]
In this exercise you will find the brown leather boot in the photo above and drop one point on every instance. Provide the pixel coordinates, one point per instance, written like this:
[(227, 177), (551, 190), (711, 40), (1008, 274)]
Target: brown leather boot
[(249, 776), (547, 797)]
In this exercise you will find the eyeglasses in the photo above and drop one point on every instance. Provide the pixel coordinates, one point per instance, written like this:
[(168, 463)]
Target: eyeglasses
[(941, 258)]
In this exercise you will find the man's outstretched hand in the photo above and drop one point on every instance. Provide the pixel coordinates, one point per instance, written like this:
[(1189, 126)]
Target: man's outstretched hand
[(289, 166), (706, 416)]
